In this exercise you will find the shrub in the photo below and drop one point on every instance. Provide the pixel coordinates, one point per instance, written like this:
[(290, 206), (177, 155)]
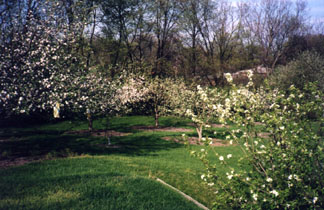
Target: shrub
[(281, 171), (308, 67)]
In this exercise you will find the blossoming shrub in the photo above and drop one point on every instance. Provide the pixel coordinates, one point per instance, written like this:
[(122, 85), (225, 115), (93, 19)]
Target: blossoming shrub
[(282, 166)]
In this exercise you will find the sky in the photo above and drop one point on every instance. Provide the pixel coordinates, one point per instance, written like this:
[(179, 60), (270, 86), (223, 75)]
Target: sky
[(316, 8)]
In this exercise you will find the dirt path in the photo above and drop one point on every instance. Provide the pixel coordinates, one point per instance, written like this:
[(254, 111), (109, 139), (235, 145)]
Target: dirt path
[(163, 129), (214, 125), (98, 133), (194, 141), (5, 163)]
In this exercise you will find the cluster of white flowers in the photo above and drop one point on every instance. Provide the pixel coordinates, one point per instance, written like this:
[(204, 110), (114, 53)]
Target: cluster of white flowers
[(294, 176), (228, 77), (255, 196), (133, 90), (230, 175), (274, 192)]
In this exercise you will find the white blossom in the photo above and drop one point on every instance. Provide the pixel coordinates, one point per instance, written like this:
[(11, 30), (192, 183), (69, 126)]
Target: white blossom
[(274, 192), (315, 200), (255, 196), (269, 179)]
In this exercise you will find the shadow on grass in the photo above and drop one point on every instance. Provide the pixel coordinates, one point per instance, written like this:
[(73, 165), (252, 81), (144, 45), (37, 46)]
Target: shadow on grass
[(22, 134), (52, 144), (174, 122), (124, 124), (51, 140)]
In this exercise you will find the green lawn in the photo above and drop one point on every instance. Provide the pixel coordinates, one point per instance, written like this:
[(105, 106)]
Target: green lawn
[(81, 173)]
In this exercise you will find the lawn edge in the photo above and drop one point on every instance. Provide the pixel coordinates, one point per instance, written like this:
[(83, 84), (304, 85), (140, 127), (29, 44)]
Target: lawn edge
[(183, 194)]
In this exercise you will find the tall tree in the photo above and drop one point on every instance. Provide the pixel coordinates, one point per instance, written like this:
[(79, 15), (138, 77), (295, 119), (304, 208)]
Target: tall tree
[(118, 22), (226, 36), (272, 23), (207, 34), (190, 25), (165, 15)]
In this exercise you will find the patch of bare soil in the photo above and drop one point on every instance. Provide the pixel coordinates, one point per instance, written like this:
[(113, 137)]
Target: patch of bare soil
[(11, 139), (194, 141), (259, 123), (112, 146), (99, 133), (219, 126), (4, 140), (213, 125), (264, 135), (5, 163), (166, 129)]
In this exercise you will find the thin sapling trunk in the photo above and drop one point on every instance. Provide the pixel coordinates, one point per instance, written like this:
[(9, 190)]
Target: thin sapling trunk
[(156, 116), (199, 129), (89, 117)]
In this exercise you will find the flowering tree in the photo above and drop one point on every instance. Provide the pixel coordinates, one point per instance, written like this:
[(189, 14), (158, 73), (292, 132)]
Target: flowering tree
[(284, 168), (94, 94), (41, 63), (38, 60), (199, 105), (163, 95), (154, 96)]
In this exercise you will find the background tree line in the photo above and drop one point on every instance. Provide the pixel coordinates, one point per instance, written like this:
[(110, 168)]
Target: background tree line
[(190, 38), (199, 39)]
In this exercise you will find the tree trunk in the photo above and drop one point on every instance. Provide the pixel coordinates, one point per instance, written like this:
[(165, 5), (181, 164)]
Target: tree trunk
[(90, 126), (199, 129), (194, 55), (91, 38), (321, 130), (156, 117)]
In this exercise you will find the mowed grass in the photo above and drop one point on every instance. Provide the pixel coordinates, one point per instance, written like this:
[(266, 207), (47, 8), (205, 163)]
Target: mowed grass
[(79, 172)]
